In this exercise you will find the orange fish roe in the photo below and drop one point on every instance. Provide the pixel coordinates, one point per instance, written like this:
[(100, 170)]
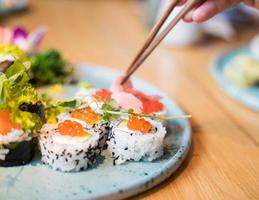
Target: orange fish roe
[(71, 128), (103, 95), (139, 124), (150, 104), (6, 124), (87, 115)]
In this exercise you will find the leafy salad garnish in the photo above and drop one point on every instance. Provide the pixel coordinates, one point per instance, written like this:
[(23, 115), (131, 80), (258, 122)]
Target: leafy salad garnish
[(14, 51), (54, 107), (49, 67), (16, 90), (20, 97)]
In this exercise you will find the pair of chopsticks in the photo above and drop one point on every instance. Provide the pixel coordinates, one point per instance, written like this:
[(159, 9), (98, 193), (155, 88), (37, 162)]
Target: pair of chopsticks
[(155, 37)]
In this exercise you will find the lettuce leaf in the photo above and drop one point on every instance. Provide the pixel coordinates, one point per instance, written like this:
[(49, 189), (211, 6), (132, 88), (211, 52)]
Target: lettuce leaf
[(14, 91), (18, 95), (14, 51), (53, 107)]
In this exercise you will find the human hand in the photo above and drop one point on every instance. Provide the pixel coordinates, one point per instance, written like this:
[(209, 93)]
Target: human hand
[(204, 10)]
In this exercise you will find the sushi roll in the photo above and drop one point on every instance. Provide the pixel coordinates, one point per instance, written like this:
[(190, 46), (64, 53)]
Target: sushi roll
[(91, 120), (136, 139), (68, 146), (21, 112), (16, 146)]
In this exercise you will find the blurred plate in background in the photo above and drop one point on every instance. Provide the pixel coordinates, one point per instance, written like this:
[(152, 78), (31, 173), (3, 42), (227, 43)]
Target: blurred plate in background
[(10, 6), (246, 96)]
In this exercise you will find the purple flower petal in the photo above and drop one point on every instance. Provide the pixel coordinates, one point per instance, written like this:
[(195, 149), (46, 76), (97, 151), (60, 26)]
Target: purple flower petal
[(34, 39), (18, 33)]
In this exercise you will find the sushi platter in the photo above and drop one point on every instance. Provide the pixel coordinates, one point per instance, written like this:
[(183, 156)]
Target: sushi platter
[(89, 137)]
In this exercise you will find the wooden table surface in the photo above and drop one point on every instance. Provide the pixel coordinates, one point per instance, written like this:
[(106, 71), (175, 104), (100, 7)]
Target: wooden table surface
[(224, 160)]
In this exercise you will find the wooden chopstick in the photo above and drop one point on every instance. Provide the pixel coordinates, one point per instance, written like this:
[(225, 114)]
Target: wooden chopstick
[(158, 39), (153, 33)]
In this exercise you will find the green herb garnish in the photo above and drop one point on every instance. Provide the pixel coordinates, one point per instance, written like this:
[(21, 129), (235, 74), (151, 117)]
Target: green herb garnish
[(49, 67), (119, 113), (111, 112), (53, 108)]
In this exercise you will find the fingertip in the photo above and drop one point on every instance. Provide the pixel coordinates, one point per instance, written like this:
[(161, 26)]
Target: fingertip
[(205, 12), (188, 16), (187, 19), (199, 16)]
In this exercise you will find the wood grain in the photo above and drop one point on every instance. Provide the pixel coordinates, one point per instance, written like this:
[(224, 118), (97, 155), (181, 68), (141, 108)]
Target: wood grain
[(224, 160)]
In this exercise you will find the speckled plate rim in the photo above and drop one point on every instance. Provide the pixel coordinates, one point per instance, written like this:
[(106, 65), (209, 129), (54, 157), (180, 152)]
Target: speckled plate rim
[(243, 96), (170, 167)]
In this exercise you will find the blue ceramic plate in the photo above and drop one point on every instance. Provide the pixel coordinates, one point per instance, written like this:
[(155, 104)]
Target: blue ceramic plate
[(37, 181), (246, 96)]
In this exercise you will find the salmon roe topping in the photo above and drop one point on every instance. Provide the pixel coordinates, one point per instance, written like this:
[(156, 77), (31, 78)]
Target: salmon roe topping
[(150, 104), (71, 128), (87, 115), (139, 124), (103, 95), (6, 123)]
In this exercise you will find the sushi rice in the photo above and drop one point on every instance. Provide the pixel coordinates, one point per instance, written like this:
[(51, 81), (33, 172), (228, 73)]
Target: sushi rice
[(72, 153), (14, 136), (127, 145), (68, 153)]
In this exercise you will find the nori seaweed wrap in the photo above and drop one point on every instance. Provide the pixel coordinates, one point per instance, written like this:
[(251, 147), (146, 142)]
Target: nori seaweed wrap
[(19, 154)]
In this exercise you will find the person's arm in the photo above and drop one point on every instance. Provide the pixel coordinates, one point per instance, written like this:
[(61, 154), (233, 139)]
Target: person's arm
[(204, 10)]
